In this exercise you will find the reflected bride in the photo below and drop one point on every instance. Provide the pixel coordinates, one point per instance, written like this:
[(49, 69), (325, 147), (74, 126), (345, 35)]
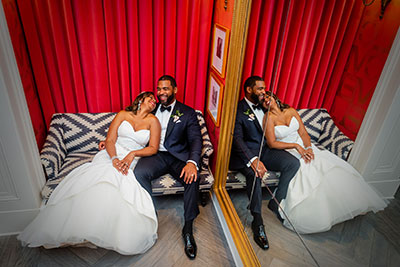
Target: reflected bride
[(326, 189)]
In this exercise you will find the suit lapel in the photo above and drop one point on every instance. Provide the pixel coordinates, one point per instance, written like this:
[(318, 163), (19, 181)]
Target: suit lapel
[(255, 121), (171, 123)]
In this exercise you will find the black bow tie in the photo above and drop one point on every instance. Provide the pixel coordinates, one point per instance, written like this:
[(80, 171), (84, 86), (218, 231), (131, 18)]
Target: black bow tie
[(255, 107), (163, 108)]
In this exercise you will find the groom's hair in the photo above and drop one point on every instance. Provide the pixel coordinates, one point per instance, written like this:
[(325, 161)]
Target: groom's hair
[(251, 82), (168, 78)]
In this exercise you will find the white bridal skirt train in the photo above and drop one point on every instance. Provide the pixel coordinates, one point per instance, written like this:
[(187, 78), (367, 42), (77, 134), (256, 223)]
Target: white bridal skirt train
[(324, 192), (96, 203)]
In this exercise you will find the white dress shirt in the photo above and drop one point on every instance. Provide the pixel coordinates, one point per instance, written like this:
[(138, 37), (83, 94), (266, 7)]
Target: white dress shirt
[(164, 117)]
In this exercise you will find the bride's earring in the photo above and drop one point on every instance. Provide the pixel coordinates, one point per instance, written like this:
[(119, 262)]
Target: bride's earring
[(138, 106)]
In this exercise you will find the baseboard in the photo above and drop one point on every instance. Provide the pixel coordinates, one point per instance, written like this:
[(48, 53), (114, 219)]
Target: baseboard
[(228, 236), (14, 222), (386, 189)]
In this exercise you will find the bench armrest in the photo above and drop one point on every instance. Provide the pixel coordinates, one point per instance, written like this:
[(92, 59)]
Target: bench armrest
[(207, 147), (335, 140), (54, 150)]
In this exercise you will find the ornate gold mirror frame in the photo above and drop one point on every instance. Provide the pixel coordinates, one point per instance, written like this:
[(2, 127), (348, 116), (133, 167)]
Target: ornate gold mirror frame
[(240, 23)]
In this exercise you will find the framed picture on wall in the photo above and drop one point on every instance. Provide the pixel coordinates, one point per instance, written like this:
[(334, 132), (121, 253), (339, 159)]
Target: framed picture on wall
[(215, 92), (219, 49)]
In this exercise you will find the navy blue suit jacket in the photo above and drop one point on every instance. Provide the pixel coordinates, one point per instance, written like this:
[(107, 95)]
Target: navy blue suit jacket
[(183, 137), (247, 137)]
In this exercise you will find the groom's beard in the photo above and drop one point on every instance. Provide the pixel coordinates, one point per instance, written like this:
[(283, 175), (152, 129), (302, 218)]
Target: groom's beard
[(169, 100), (256, 99)]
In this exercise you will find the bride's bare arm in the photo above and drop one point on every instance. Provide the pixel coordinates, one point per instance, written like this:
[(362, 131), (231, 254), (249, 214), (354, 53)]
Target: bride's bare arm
[(302, 130), (154, 142), (112, 138), (309, 154)]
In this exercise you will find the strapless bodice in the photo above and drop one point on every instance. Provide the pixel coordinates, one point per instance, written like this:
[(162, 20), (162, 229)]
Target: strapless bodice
[(288, 134), (130, 139)]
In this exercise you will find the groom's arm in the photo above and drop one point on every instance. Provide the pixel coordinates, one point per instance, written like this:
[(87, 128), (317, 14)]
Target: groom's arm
[(194, 139), (190, 171), (239, 146)]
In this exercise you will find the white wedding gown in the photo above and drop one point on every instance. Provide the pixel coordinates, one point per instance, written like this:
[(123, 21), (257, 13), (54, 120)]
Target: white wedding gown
[(96, 203), (324, 192)]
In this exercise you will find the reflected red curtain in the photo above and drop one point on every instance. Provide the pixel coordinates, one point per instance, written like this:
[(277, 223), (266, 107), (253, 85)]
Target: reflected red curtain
[(300, 48), (96, 56)]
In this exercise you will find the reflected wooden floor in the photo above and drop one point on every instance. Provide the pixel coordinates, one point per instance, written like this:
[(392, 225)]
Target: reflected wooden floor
[(168, 250), (369, 240)]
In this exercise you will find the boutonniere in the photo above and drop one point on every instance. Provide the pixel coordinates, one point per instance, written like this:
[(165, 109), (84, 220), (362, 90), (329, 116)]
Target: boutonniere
[(250, 115), (176, 116)]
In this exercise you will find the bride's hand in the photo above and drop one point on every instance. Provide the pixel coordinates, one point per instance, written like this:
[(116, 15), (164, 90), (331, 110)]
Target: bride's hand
[(125, 163), (310, 153), (116, 164), (303, 153)]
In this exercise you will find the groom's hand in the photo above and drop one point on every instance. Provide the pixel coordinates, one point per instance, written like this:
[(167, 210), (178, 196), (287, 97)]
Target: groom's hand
[(259, 168), (189, 173)]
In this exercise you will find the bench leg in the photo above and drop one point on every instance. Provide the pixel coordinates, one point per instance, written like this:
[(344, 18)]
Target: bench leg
[(204, 198)]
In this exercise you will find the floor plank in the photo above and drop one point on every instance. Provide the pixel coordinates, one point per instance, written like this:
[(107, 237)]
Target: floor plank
[(368, 240), (167, 251)]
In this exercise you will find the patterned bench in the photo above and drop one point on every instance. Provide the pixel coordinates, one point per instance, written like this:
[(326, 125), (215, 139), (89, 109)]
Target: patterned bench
[(323, 133), (73, 140)]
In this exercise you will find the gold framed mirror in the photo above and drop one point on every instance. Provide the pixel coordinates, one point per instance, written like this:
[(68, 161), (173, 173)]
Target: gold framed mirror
[(241, 15)]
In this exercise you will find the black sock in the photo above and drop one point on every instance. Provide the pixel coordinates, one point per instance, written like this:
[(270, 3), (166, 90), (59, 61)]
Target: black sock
[(188, 228), (257, 219)]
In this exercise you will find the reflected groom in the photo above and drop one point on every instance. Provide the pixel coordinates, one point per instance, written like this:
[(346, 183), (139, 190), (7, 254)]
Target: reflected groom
[(247, 138)]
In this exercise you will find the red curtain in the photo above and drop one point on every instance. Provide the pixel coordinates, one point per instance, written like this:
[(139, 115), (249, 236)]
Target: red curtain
[(301, 47), (96, 56)]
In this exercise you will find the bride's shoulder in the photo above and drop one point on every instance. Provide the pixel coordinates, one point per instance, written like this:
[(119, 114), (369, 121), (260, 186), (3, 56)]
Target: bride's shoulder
[(122, 113), (291, 112), (151, 118)]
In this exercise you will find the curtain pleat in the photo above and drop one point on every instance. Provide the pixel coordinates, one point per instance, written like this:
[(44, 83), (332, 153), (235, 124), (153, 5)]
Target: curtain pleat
[(170, 34), (181, 46), (300, 48), (133, 48), (96, 56), (146, 44), (203, 51)]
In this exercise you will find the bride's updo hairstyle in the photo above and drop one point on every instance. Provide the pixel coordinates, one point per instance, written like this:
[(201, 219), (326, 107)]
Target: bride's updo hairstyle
[(281, 105), (135, 106)]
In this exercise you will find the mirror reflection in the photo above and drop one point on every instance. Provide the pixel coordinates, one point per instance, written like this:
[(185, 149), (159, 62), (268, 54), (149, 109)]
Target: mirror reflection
[(288, 157)]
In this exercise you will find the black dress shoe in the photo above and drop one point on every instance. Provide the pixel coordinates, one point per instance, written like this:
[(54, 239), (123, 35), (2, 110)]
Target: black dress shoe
[(190, 245), (260, 236), (274, 208)]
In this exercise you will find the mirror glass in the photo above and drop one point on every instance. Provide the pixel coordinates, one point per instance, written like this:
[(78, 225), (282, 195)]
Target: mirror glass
[(327, 204)]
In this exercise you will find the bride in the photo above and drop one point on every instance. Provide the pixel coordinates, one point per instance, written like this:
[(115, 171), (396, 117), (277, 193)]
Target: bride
[(101, 202), (326, 189)]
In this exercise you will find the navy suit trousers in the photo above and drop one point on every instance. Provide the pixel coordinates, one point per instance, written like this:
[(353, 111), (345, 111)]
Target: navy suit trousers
[(274, 160), (150, 168)]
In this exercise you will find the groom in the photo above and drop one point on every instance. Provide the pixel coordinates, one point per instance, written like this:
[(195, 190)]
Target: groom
[(247, 138), (179, 154)]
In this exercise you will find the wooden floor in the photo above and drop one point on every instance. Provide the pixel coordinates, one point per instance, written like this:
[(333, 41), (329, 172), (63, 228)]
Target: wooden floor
[(369, 240), (168, 250)]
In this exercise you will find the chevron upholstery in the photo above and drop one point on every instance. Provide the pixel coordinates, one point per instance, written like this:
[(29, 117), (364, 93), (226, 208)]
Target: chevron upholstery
[(73, 140), (323, 133)]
